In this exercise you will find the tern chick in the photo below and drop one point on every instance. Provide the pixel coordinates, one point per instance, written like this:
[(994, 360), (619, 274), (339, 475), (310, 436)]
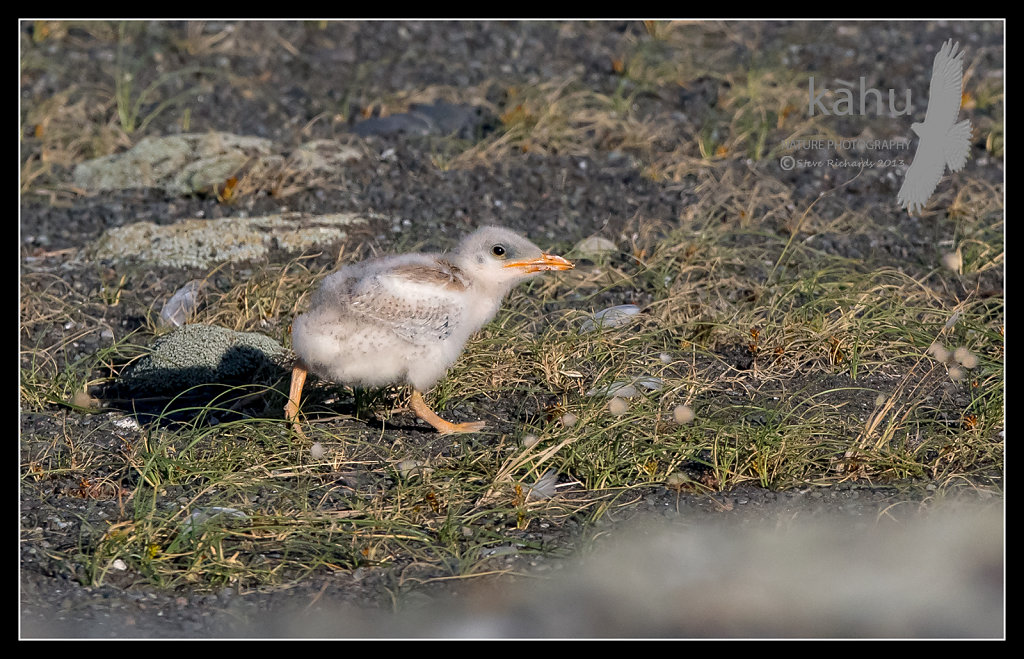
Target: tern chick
[(405, 319)]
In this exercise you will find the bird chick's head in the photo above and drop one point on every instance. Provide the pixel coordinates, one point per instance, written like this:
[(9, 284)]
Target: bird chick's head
[(498, 257)]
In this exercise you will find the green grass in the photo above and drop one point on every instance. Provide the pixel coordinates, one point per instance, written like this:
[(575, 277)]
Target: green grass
[(131, 101), (839, 387)]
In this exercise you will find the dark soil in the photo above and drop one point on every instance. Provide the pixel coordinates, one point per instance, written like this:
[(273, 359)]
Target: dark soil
[(309, 81)]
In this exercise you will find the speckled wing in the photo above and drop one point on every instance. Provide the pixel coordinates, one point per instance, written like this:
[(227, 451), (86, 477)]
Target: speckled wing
[(419, 303)]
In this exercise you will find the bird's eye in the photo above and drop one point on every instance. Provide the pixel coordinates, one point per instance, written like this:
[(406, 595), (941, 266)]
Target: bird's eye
[(498, 250)]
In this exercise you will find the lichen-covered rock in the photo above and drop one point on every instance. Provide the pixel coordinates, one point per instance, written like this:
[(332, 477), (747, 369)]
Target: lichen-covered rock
[(201, 162), (179, 164), (204, 354), (200, 243)]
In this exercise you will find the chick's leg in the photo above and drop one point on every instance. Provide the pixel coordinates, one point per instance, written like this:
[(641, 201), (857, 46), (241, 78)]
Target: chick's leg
[(291, 410), (419, 406)]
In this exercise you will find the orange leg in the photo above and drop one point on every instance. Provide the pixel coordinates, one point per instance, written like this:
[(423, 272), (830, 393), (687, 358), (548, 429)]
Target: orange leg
[(291, 410), (419, 406)]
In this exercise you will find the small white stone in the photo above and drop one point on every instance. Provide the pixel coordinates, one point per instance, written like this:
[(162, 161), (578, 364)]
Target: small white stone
[(409, 468), (677, 479), (595, 246), (127, 423)]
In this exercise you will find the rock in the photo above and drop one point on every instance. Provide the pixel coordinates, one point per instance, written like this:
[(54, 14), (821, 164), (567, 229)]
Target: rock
[(203, 354), (198, 243), (595, 246), (178, 164), (201, 162), (441, 118)]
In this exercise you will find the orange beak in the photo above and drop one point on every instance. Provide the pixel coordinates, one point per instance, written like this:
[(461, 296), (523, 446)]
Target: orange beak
[(543, 262)]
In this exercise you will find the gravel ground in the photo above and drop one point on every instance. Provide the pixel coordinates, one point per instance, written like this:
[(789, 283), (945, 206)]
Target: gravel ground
[(303, 76)]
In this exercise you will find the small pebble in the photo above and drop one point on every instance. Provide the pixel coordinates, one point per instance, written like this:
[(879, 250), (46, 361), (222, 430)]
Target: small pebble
[(595, 246), (502, 550), (677, 479), (127, 423), (409, 468)]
